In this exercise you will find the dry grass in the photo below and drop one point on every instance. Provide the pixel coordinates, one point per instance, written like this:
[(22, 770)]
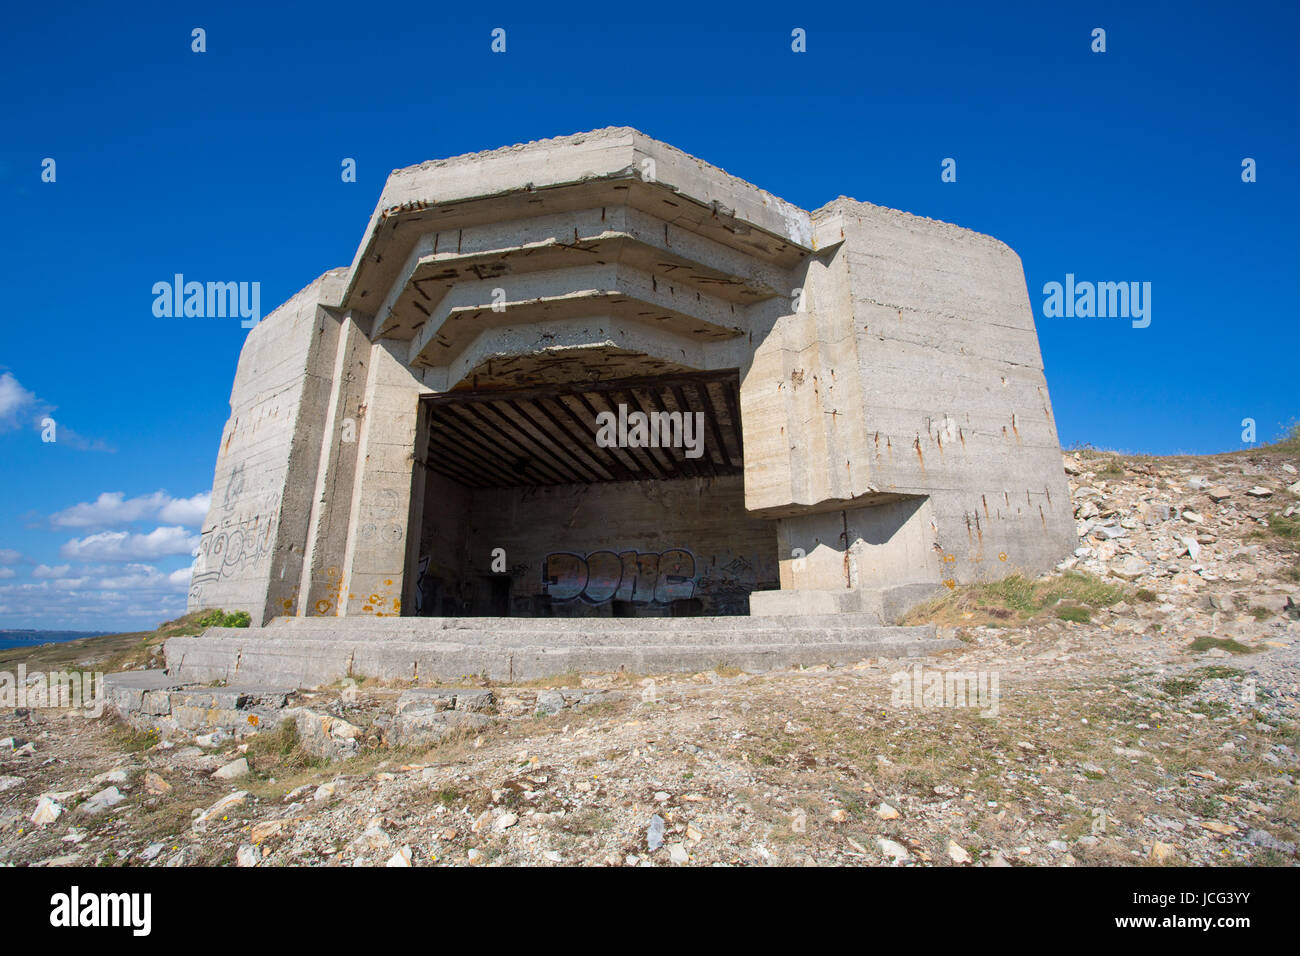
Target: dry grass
[(1016, 599), (110, 653)]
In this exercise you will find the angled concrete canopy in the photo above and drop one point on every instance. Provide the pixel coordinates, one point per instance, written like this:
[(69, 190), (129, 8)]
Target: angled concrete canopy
[(852, 403)]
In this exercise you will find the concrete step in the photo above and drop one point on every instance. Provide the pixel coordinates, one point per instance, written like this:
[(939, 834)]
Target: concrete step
[(577, 634), (420, 626), (271, 656)]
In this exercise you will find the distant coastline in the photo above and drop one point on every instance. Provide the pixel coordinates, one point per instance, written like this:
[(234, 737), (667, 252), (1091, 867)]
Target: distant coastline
[(10, 639)]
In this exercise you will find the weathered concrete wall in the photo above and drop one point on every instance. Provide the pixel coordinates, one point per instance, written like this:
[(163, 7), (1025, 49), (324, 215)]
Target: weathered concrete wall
[(955, 398), (251, 550), (654, 542), (912, 369), (321, 586), (391, 443)]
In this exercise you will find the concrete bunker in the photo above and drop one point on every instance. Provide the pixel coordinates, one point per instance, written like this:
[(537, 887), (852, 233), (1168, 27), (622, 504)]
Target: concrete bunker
[(416, 434)]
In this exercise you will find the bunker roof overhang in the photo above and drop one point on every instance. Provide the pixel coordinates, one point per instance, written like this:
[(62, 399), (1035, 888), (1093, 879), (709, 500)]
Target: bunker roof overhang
[(611, 168)]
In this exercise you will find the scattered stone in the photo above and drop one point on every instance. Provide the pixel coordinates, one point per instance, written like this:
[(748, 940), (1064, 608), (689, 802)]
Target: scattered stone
[(655, 833), (233, 770), (324, 792), (886, 812), (896, 852), (118, 775), (1162, 852), (47, 811), (401, 858), (220, 808), (1266, 840), (106, 798)]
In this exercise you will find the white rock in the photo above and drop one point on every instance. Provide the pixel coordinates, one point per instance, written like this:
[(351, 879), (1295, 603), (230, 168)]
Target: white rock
[(895, 851), (505, 822), (116, 775), (886, 812), (401, 858), (233, 770), (374, 838), (229, 801), (47, 811), (248, 855), (8, 783), (677, 853), (109, 797), (956, 853)]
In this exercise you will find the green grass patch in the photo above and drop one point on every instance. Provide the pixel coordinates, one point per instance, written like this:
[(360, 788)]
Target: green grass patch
[(1180, 686), (1222, 644), (1014, 599), (1218, 672), (219, 618), (1079, 615)]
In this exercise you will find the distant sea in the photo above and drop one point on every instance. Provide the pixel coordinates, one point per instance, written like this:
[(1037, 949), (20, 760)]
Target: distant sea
[(11, 639)]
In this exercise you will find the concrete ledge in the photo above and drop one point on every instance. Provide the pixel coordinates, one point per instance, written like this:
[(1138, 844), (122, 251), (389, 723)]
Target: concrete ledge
[(881, 606), (316, 660)]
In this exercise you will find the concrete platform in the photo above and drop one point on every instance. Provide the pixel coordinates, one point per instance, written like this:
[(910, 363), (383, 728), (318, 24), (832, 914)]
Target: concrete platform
[(307, 652)]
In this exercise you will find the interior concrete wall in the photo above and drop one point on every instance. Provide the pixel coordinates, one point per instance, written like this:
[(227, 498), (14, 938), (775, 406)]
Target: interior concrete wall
[(720, 551)]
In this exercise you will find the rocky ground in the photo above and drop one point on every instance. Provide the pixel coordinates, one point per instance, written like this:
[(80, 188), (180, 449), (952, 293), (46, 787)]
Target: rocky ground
[(1138, 707)]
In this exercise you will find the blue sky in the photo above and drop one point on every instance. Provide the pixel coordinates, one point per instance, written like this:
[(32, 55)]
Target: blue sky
[(224, 165)]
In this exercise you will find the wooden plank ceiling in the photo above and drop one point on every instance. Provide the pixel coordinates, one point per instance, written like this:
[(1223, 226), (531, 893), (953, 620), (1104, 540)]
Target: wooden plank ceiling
[(547, 436)]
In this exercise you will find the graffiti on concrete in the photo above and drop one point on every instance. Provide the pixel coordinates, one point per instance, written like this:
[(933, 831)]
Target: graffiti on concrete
[(226, 551), (637, 576)]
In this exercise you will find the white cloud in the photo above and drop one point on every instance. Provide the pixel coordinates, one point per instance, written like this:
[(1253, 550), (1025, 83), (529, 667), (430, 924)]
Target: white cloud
[(18, 406), (125, 546), (7, 572), (10, 556), (113, 509), (145, 577), (45, 571)]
